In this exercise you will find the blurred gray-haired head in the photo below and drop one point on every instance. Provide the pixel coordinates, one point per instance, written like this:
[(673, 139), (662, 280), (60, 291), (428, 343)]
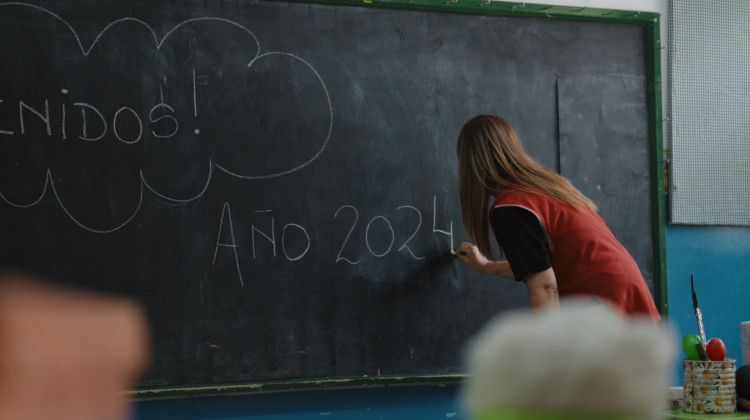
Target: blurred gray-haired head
[(580, 359)]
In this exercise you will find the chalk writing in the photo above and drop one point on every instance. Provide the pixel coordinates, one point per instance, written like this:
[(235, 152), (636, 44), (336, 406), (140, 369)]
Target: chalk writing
[(271, 238), (391, 233), (327, 136), (367, 236), (126, 124), (296, 240), (283, 241), (26, 111), (416, 230), (147, 125), (226, 214), (348, 235), (448, 233)]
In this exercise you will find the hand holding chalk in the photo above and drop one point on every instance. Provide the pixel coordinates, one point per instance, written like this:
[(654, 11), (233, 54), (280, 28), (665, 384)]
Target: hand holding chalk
[(458, 252), (470, 255)]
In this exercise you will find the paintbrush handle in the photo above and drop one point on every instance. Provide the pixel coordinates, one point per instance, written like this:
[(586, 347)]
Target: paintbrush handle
[(701, 331)]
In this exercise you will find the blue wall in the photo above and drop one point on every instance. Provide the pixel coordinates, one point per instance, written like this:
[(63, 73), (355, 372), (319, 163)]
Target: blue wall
[(719, 260)]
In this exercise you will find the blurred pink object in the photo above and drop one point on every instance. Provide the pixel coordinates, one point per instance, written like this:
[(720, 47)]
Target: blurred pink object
[(67, 354)]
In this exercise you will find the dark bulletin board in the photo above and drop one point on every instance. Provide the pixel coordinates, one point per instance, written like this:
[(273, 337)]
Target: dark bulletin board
[(276, 182)]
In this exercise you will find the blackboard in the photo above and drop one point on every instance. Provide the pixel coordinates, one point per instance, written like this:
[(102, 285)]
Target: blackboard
[(276, 182)]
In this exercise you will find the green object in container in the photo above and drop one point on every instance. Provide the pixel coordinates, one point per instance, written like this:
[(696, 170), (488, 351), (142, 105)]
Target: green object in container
[(688, 346)]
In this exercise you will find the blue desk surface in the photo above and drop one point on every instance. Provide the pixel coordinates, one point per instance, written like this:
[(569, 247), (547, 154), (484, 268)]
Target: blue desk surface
[(418, 402)]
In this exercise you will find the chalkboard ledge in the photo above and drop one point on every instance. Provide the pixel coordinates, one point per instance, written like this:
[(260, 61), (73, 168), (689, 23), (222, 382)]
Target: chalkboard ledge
[(311, 384)]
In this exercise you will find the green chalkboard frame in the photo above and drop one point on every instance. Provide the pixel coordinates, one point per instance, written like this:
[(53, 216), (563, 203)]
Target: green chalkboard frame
[(650, 22)]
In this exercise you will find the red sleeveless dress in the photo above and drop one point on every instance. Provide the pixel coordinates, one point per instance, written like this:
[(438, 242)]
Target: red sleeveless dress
[(586, 257)]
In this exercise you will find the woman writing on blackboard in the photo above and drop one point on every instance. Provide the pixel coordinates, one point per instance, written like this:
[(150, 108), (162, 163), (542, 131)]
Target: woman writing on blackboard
[(550, 233)]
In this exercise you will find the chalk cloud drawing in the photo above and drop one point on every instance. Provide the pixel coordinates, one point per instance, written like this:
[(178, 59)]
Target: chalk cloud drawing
[(210, 85)]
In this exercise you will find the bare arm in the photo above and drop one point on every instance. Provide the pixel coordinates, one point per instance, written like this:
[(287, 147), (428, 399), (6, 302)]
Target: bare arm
[(542, 288), (470, 255)]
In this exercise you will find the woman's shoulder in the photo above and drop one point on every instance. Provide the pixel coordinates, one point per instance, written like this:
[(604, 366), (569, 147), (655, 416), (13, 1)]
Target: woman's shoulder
[(510, 196)]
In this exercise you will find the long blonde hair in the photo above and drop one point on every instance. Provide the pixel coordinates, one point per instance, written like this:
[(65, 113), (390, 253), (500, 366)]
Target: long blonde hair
[(491, 158)]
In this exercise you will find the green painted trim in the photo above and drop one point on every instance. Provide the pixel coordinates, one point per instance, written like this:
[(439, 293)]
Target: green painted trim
[(501, 8), (657, 159), (294, 385), (494, 8)]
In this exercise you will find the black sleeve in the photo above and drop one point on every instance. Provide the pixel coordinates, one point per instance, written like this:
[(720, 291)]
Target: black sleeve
[(522, 239)]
